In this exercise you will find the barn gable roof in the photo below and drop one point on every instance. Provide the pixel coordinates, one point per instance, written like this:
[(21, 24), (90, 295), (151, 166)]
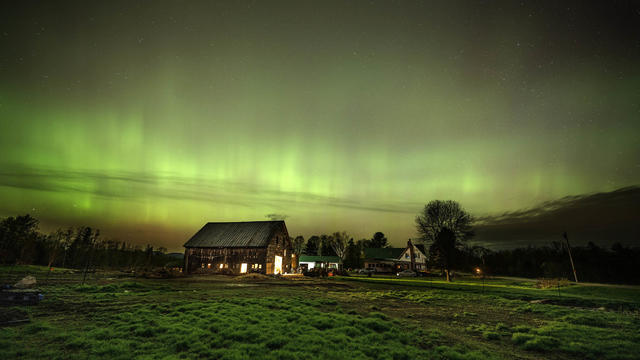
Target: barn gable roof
[(235, 234)]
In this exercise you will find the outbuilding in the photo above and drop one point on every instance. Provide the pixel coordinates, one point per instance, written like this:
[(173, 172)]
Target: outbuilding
[(240, 247), (308, 262)]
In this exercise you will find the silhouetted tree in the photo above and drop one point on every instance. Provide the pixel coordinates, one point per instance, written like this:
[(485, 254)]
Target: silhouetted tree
[(439, 214), (353, 257), (312, 245), (378, 241), (446, 226), (18, 238), (325, 245), (338, 242), (442, 251), (298, 245)]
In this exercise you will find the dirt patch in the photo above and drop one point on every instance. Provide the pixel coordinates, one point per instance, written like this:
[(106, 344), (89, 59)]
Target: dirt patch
[(13, 317), (252, 277)]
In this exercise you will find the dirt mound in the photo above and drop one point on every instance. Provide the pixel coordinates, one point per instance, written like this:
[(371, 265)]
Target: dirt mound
[(252, 277)]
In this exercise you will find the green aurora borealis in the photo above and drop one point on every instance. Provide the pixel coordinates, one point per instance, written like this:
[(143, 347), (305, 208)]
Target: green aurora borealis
[(147, 120)]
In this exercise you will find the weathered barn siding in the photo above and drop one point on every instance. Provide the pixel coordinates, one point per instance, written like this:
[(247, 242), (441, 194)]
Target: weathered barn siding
[(209, 259), (224, 247)]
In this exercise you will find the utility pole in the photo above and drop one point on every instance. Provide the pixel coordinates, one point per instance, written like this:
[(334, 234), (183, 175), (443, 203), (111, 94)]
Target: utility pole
[(575, 276)]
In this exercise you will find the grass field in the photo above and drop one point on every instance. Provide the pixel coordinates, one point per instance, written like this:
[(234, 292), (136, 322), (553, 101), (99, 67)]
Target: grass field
[(116, 317)]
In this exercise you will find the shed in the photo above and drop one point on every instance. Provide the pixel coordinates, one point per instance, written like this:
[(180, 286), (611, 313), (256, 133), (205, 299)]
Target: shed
[(308, 262)]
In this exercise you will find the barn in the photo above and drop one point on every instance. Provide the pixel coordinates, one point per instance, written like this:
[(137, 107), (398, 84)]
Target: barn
[(240, 247)]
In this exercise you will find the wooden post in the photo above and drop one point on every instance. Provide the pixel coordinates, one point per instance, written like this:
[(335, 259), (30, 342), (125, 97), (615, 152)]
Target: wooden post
[(575, 276)]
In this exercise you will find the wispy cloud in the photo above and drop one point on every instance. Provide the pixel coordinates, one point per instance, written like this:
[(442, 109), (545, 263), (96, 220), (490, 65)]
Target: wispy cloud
[(604, 218), (135, 186)]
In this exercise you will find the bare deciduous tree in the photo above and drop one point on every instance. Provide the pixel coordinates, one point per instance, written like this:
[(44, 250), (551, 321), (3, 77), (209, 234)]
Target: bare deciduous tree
[(339, 243)]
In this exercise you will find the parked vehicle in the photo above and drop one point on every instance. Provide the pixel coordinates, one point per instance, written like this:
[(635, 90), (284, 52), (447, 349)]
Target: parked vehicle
[(365, 271), (406, 273)]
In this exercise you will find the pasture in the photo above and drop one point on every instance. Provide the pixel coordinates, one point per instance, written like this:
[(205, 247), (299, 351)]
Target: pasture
[(217, 317)]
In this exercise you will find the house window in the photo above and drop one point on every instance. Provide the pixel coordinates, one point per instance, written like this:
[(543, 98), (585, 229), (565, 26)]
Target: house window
[(221, 266), (406, 256)]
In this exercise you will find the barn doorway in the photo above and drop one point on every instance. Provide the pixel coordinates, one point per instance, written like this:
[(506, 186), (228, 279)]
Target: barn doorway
[(243, 268), (277, 266)]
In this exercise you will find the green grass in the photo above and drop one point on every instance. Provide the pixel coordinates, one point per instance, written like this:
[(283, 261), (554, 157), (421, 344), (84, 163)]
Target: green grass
[(574, 295), (213, 317), (223, 328)]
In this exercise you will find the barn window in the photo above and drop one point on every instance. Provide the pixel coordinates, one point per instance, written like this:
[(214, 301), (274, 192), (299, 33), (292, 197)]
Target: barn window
[(221, 266), (243, 268), (209, 266)]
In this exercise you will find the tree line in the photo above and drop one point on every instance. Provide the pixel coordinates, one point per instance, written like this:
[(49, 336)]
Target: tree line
[(619, 264), (21, 242), (339, 244), (447, 227), (444, 228)]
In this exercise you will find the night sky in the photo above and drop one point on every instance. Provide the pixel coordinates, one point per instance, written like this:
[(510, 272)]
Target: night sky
[(148, 119)]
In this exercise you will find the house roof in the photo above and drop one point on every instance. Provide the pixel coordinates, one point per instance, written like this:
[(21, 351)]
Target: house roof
[(383, 253), (329, 259), (421, 247), (235, 234)]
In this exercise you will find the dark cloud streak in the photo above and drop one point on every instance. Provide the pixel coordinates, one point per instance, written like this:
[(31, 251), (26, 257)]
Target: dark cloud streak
[(603, 218)]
